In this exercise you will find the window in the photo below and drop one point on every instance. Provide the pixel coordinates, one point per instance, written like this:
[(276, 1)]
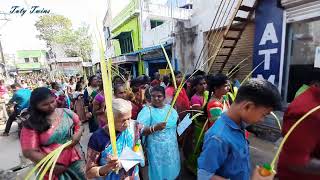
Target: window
[(187, 6), (304, 39), (125, 41), (26, 60), (106, 31), (155, 23), (35, 59)]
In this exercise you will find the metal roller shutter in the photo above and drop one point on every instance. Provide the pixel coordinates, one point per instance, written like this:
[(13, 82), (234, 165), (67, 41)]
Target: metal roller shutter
[(303, 11), (244, 49)]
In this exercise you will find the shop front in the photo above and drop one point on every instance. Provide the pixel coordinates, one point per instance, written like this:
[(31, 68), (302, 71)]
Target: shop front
[(286, 51), (126, 63), (155, 60), (145, 61), (287, 44), (302, 52), (88, 68), (25, 68)]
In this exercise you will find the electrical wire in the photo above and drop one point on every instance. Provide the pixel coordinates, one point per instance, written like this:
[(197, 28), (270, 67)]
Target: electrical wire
[(217, 39), (225, 34), (208, 35)]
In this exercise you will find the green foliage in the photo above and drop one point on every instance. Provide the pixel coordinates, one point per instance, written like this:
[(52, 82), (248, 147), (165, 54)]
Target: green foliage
[(57, 29), (50, 25), (84, 42)]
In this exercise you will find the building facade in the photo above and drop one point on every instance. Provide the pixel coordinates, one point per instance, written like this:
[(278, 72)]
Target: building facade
[(301, 45), (123, 36), (197, 39), (137, 32), (69, 66), (283, 40), (31, 60), (280, 43)]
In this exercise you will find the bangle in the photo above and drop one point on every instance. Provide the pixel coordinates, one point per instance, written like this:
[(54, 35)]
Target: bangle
[(153, 129), (150, 129)]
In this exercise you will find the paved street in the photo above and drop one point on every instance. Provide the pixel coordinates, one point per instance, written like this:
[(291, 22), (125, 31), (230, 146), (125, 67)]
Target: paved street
[(10, 152), (262, 151), (201, 57), (10, 149)]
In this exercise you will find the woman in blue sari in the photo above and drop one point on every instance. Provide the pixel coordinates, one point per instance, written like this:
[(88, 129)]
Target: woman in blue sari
[(100, 162), (161, 138)]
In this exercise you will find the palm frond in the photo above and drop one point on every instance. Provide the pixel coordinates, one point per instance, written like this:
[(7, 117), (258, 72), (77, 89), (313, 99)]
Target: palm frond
[(170, 66), (288, 134)]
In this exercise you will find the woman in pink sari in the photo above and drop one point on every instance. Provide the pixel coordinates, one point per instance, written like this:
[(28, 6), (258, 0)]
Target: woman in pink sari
[(48, 128)]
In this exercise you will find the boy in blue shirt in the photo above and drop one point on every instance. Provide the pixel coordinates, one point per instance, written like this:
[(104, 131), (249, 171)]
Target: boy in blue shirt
[(20, 98), (225, 152)]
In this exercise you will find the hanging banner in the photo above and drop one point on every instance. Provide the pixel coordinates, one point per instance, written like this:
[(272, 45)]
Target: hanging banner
[(268, 42)]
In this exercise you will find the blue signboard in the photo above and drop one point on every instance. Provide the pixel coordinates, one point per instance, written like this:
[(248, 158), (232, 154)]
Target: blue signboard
[(268, 42)]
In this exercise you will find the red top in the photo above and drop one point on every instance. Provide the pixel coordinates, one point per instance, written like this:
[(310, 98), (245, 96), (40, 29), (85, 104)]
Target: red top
[(211, 105), (304, 142), (136, 108), (155, 82), (182, 103)]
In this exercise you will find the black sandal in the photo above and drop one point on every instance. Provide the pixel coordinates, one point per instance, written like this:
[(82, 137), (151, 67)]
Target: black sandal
[(5, 134)]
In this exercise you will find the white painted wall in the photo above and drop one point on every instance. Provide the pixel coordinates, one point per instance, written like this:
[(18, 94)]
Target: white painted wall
[(204, 11), (153, 10), (160, 34), (203, 14), (167, 11), (109, 52), (179, 3)]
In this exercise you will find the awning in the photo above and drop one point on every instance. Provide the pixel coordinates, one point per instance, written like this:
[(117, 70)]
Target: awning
[(87, 64), (65, 60), (148, 49), (124, 59)]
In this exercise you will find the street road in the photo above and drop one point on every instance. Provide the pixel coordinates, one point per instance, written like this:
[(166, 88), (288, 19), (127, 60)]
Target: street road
[(262, 151)]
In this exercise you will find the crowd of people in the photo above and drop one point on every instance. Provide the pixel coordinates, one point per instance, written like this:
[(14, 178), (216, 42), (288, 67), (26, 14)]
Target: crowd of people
[(58, 108)]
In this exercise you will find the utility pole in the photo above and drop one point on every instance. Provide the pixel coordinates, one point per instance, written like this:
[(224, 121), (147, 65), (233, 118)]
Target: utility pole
[(4, 18), (108, 22), (3, 63)]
